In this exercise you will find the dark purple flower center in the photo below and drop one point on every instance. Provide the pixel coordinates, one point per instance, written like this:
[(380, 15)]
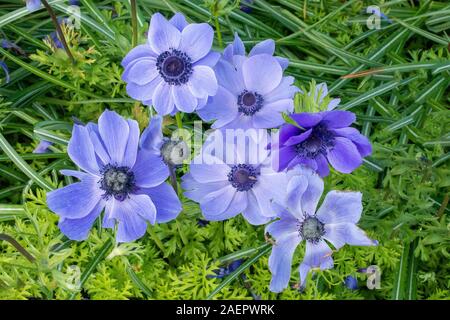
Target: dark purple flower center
[(249, 102), (312, 229), (317, 143), (117, 182), (242, 177), (174, 66)]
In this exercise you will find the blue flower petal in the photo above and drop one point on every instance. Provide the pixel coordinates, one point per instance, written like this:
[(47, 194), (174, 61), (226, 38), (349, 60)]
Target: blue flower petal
[(162, 35), (203, 82), (166, 201), (141, 71), (263, 47), (163, 100), (132, 216), (344, 155), (114, 131), (81, 150), (184, 100), (76, 200), (280, 262), (196, 40), (152, 137), (179, 21), (149, 170), (216, 202), (262, 73), (341, 207), (141, 51), (78, 229), (132, 145)]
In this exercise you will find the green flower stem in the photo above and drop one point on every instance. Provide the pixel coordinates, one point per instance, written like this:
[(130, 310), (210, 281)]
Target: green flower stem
[(219, 33), (58, 30), (134, 40), (178, 120)]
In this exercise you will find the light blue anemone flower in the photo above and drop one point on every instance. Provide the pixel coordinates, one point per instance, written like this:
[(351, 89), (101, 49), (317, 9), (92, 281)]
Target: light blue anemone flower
[(128, 182), (174, 69), (251, 94), (231, 177), (335, 221)]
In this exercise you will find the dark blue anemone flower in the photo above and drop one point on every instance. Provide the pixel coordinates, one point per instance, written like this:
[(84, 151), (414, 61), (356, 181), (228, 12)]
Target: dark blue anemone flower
[(321, 138), (128, 182)]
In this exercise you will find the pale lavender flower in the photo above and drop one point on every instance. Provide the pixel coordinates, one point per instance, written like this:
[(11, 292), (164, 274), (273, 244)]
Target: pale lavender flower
[(173, 71), (335, 221), (238, 180), (252, 94)]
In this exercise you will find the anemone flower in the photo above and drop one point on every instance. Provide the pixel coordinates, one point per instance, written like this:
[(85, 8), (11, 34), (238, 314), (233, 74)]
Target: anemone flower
[(238, 180), (335, 221), (174, 69), (321, 138), (252, 94), (128, 182)]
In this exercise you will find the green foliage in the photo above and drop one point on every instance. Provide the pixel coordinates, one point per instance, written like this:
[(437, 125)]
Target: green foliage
[(395, 79)]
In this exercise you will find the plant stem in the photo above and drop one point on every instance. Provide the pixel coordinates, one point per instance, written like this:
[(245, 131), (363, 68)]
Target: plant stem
[(134, 23), (17, 245), (179, 120), (58, 29), (173, 178), (219, 33)]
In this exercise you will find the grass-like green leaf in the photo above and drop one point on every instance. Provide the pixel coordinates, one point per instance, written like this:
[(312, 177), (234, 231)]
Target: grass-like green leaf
[(22, 165)]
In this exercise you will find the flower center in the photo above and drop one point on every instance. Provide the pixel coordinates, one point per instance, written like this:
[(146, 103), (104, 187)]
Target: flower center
[(174, 66), (312, 229), (317, 143), (117, 182), (242, 177), (249, 102), (174, 152)]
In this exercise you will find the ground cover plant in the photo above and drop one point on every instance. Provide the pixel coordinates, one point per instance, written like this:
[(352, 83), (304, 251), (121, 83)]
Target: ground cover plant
[(101, 101)]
